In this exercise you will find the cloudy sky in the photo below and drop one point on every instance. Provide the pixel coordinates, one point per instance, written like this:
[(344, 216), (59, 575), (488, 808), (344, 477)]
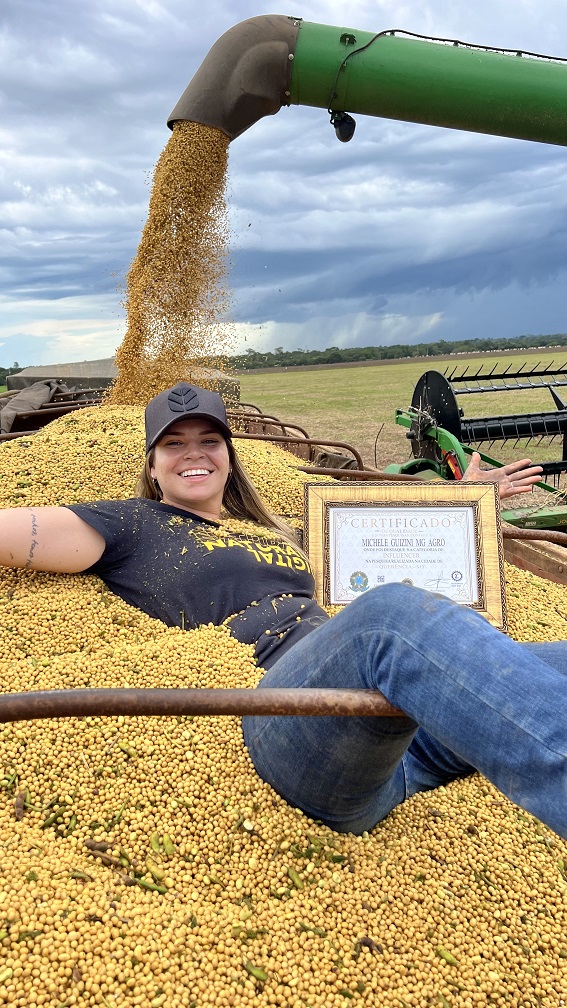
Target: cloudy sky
[(408, 233)]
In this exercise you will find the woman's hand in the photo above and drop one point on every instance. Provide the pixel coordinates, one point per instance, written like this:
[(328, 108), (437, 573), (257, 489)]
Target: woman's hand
[(513, 478)]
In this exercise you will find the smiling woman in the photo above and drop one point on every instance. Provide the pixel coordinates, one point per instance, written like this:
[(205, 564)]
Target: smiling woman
[(183, 425), (187, 452), (191, 467), (173, 553)]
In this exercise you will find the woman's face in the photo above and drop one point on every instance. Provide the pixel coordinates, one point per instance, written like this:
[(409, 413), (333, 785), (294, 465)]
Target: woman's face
[(192, 465)]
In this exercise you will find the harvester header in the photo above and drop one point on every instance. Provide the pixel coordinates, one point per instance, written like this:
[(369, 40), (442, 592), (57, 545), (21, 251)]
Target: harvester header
[(269, 61)]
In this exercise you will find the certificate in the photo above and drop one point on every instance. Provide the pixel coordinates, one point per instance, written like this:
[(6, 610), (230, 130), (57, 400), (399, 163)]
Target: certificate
[(444, 538), (431, 547)]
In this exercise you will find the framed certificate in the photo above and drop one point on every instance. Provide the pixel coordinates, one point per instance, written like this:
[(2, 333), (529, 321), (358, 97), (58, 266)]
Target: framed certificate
[(444, 537)]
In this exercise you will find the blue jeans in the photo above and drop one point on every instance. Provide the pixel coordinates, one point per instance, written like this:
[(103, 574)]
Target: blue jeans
[(474, 699)]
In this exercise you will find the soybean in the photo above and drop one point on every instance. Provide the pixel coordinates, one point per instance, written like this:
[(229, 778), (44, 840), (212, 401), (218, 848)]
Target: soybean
[(203, 874)]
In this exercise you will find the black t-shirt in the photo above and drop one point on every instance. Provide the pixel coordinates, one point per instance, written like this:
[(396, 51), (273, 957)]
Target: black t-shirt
[(187, 571)]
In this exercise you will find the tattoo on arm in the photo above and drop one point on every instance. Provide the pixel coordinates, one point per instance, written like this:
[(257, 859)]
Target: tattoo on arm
[(34, 541)]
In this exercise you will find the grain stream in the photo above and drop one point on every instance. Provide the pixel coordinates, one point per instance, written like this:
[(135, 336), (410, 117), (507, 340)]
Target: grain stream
[(177, 298)]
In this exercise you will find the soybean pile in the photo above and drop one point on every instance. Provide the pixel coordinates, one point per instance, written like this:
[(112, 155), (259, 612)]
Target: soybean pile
[(177, 296), (143, 862)]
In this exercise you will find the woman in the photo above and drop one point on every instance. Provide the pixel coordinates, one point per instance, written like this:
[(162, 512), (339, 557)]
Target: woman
[(472, 697)]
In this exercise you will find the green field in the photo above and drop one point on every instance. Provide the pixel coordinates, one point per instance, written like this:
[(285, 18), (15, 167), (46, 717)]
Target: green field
[(354, 404)]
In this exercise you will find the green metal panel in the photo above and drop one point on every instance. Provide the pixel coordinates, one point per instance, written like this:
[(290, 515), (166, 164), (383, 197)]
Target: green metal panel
[(430, 82)]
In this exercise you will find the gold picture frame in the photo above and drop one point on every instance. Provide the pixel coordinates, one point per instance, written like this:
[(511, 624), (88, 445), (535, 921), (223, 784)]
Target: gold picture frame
[(445, 537)]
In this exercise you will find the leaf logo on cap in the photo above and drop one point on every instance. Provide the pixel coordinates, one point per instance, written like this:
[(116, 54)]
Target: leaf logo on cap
[(183, 399)]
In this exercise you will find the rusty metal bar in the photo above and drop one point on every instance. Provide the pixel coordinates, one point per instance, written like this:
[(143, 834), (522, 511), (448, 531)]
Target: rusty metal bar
[(545, 535), (266, 418), (300, 440), (73, 393), (251, 405), (64, 406), (362, 475), (244, 421), (171, 702), (49, 407), (15, 434)]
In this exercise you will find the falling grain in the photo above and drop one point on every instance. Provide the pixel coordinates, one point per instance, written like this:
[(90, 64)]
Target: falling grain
[(177, 297)]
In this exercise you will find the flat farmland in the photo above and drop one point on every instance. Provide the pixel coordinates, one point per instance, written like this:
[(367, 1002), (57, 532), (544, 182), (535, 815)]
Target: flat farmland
[(357, 404)]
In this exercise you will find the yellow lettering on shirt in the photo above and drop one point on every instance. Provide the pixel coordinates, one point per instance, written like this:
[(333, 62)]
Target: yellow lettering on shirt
[(212, 544), (266, 555), (280, 555), (299, 563), (283, 561)]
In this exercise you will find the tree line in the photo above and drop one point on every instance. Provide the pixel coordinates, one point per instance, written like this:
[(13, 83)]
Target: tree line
[(5, 371), (279, 357)]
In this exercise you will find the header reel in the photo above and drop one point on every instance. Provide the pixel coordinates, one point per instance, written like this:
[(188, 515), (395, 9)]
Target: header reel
[(434, 401), (441, 437)]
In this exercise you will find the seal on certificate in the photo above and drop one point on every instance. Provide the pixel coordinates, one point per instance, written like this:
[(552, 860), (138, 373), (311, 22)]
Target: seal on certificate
[(358, 581)]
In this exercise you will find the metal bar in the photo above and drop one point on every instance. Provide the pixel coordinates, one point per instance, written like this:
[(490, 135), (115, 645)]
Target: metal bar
[(553, 468), (505, 387), (300, 440), (519, 425), (78, 392), (211, 702), (242, 422), (251, 406), (267, 418), (77, 401), (532, 373), (50, 408), (559, 538), (362, 475), (15, 434)]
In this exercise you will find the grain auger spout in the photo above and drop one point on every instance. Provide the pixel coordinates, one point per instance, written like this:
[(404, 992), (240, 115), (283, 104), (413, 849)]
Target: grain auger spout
[(244, 77), (273, 60)]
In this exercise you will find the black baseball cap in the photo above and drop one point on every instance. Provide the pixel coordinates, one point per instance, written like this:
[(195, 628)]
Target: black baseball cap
[(182, 402)]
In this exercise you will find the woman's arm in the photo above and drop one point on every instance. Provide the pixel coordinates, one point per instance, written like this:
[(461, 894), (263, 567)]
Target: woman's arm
[(48, 539)]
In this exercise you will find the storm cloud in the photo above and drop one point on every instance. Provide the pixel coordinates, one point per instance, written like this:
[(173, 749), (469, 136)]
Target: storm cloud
[(407, 233)]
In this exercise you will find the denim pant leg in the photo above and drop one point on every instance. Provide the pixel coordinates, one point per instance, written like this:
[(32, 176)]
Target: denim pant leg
[(488, 702), (429, 764)]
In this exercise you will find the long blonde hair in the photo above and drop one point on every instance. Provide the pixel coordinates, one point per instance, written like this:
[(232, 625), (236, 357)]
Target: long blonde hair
[(240, 497)]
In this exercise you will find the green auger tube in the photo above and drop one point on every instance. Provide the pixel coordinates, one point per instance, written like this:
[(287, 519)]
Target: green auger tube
[(273, 60)]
